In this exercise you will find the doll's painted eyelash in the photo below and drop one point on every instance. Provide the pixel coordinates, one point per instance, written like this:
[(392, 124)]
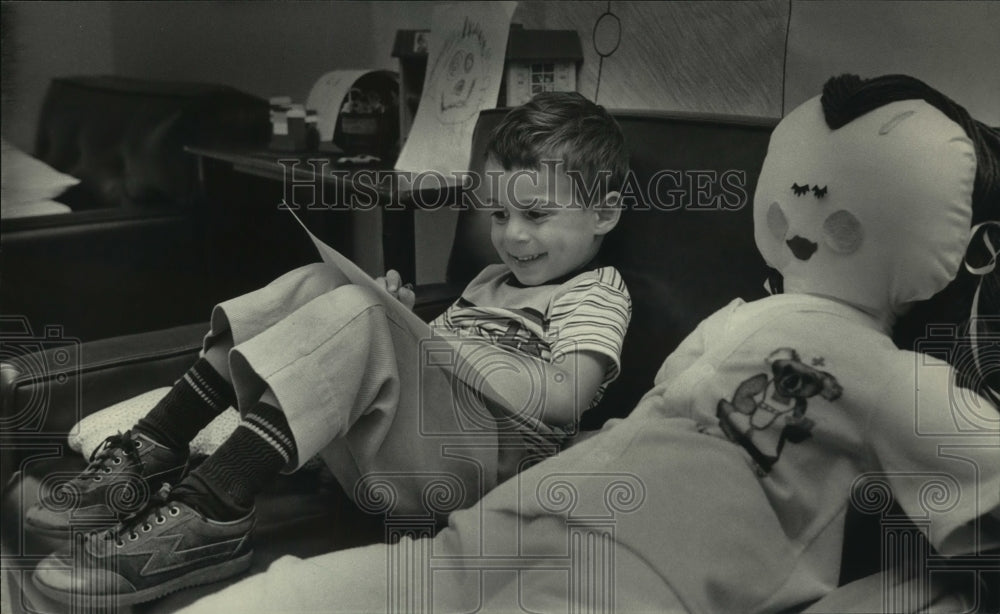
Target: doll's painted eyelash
[(801, 190)]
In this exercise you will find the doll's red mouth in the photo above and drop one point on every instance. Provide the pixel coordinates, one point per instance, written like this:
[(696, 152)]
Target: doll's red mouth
[(803, 249)]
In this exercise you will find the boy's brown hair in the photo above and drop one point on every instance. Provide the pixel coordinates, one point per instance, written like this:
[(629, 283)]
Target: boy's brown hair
[(563, 127)]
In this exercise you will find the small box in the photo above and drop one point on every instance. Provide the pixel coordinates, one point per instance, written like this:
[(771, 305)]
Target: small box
[(293, 128)]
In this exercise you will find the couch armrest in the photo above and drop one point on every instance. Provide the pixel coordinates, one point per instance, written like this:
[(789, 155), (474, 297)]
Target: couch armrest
[(49, 382), (99, 273)]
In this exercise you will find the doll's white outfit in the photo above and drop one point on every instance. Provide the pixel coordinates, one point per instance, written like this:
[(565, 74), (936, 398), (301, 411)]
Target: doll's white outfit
[(673, 513)]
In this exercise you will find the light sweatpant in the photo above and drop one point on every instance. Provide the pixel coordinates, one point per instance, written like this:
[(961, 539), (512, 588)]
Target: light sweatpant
[(546, 540), (355, 390)]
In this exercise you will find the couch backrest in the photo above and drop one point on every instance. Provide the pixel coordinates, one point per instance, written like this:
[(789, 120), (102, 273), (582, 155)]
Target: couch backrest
[(685, 243), (125, 138)]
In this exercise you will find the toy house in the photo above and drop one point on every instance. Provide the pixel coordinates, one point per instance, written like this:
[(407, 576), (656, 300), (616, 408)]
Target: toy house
[(539, 61)]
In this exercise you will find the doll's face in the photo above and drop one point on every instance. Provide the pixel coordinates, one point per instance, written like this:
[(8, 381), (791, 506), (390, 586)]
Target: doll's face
[(875, 213), (840, 231)]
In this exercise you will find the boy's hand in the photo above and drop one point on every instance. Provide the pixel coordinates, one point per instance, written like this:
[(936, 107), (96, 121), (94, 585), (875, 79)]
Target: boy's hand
[(393, 284)]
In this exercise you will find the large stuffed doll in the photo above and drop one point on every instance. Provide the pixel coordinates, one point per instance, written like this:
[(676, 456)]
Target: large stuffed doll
[(726, 488)]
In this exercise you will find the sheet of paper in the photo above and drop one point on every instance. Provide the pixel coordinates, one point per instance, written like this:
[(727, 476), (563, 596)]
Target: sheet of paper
[(326, 97), (469, 367), (464, 69), (356, 275)]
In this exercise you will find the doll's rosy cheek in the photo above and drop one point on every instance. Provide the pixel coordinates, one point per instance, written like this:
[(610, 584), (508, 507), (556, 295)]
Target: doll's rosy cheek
[(842, 232), (777, 223)]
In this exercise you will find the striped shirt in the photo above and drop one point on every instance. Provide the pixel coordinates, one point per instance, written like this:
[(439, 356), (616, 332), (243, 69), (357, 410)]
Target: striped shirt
[(588, 312)]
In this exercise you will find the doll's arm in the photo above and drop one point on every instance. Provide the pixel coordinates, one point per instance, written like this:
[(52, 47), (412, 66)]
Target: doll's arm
[(939, 448)]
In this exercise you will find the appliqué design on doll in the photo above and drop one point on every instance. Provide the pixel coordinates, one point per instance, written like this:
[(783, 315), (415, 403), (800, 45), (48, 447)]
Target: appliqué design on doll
[(765, 412)]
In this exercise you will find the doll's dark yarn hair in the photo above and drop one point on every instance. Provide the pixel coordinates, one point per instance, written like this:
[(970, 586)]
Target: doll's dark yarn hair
[(848, 97)]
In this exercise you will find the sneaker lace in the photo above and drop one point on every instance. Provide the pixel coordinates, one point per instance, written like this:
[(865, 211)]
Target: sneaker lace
[(157, 507), (107, 452)]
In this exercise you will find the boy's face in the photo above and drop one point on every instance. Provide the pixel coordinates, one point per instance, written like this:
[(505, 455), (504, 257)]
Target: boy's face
[(539, 229)]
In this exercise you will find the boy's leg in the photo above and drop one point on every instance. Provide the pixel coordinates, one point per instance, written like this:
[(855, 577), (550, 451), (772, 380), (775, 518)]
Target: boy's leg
[(127, 466), (248, 315), (206, 390), (225, 485), (156, 450), (339, 377), (300, 384), (332, 369), (200, 395), (363, 398)]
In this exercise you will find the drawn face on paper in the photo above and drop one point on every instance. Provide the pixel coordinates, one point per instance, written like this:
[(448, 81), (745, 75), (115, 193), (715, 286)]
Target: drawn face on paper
[(459, 78)]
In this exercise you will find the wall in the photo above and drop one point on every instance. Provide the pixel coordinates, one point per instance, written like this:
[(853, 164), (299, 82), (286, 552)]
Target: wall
[(264, 48), (954, 47), (387, 17), (717, 57), (723, 57), (41, 40)]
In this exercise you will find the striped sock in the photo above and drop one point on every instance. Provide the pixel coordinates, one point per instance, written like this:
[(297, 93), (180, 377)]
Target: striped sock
[(225, 485), (194, 401)]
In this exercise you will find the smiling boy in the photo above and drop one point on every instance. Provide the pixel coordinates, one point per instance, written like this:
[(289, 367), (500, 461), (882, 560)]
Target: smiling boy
[(550, 299), (319, 367)]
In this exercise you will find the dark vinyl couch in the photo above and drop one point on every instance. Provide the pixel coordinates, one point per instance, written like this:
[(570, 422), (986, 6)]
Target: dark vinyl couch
[(142, 249), (685, 248)]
